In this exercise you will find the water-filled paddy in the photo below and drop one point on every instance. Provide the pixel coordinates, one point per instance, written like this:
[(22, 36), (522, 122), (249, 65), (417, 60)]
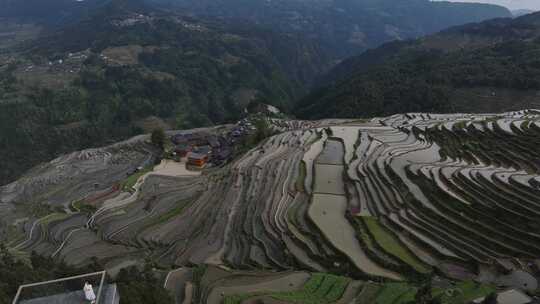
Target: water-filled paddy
[(332, 153), (329, 179), (327, 211)]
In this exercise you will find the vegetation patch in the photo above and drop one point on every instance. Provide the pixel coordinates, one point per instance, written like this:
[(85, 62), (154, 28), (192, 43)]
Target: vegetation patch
[(320, 289), (41, 209), (391, 244), (301, 177), (129, 182), (80, 206), (262, 132), (404, 293), (463, 292), (53, 217), (165, 217), (393, 292), (368, 294)]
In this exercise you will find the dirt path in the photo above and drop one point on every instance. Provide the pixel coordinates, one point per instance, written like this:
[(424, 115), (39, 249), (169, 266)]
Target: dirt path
[(169, 167)]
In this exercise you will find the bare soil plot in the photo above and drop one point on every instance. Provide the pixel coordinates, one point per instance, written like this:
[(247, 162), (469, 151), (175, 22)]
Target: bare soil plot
[(280, 282), (169, 167)]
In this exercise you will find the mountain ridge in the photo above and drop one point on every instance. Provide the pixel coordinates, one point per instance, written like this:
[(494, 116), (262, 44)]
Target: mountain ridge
[(343, 27), (352, 26)]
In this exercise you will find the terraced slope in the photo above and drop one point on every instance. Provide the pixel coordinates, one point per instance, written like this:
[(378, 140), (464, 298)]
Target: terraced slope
[(391, 198)]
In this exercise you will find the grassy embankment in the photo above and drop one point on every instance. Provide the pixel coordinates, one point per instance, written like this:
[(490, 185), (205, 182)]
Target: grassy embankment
[(320, 289), (401, 293), (391, 244), (130, 181), (299, 185)]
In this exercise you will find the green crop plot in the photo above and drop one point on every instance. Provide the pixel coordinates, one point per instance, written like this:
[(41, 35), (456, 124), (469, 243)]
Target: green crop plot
[(320, 289), (391, 244), (402, 293), (131, 180), (393, 292), (464, 292), (237, 299), (301, 177), (368, 294)]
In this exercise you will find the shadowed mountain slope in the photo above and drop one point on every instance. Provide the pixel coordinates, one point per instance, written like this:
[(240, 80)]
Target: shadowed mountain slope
[(489, 66)]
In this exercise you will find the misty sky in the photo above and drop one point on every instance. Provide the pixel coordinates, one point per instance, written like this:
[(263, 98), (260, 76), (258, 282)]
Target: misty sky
[(511, 4)]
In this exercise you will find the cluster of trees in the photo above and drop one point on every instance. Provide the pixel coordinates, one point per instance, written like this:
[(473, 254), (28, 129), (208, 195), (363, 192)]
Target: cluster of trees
[(135, 285), (7, 81), (424, 295), (262, 132), (138, 286), (14, 272)]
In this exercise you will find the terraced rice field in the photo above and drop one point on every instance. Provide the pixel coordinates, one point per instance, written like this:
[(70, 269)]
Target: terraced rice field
[(392, 245), (389, 198)]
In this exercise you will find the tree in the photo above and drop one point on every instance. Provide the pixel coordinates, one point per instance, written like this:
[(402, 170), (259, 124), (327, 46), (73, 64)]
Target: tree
[(158, 138), (424, 296), (263, 129), (140, 286), (490, 299)]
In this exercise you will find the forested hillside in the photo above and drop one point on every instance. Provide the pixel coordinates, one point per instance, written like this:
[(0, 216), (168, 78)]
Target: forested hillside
[(491, 66), (54, 12), (346, 27), (341, 27), (103, 78)]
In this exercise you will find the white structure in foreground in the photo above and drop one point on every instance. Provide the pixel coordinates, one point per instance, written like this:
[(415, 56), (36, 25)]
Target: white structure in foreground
[(69, 291), (512, 296)]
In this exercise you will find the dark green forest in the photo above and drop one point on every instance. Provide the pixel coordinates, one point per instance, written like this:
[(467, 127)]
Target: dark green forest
[(411, 76), (342, 27), (345, 28), (189, 78)]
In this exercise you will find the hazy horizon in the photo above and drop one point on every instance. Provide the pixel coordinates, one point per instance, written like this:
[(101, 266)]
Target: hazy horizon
[(511, 4)]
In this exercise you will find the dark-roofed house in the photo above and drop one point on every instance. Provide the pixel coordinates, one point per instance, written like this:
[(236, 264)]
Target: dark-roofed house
[(206, 150), (182, 149), (197, 139), (182, 138), (194, 139)]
